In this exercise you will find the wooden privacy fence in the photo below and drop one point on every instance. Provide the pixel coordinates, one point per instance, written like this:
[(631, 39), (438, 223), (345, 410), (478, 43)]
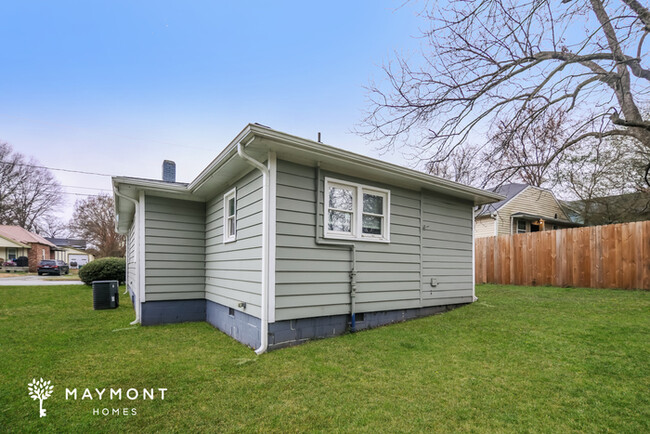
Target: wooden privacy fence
[(612, 256)]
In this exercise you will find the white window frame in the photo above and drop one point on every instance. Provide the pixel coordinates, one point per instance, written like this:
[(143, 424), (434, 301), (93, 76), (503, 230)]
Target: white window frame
[(525, 227), (9, 254), (227, 238), (356, 224)]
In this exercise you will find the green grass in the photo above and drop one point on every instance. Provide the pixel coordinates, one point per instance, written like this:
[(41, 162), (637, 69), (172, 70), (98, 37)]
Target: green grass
[(518, 360)]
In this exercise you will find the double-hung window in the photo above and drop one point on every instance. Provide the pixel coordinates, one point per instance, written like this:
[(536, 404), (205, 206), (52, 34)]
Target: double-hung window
[(230, 216), (355, 211)]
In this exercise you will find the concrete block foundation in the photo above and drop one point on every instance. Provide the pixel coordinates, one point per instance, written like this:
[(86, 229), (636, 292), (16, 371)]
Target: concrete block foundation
[(245, 328)]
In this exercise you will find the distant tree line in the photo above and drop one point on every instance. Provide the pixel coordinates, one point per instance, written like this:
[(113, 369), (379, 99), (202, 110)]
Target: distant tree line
[(31, 197)]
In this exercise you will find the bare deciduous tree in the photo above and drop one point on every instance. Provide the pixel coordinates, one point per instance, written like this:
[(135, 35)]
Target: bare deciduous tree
[(524, 154), (94, 221), (517, 62), (52, 227), (465, 165), (601, 176), (28, 193)]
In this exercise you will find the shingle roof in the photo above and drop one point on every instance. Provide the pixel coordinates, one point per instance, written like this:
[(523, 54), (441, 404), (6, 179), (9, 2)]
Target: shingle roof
[(67, 242), (507, 190), (23, 236)]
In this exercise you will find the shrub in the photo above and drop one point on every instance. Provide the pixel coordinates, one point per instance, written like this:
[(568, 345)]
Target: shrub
[(22, 261), (103, 269)]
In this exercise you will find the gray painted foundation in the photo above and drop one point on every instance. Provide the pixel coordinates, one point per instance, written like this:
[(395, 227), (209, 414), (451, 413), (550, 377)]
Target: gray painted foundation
[(246, 328), (173, 311), (240, 325), (294, 332)]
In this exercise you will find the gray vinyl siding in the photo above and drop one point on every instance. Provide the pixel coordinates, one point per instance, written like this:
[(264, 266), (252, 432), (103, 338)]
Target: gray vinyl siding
[(446, 250), (174, 249), (234, 270), (313, 280), (131, 260)]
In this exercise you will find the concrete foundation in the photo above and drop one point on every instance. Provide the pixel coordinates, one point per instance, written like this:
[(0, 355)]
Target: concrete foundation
[(237, 324), (245, 328), (174, 311)]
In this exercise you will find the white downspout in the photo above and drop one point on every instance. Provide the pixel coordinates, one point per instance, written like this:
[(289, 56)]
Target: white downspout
[(264, 332), (137, 245), (474, 297)]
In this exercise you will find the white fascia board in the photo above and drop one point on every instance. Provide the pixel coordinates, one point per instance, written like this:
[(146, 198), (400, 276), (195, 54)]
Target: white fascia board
[(159, 188), (320, 152), (221, 159), (325, 152)]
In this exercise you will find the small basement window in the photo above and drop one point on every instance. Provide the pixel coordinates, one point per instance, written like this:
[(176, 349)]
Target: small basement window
[(355, 211), (230, 216)]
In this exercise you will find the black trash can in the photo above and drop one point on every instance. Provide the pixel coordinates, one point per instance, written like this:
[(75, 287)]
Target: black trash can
[(105, 294)]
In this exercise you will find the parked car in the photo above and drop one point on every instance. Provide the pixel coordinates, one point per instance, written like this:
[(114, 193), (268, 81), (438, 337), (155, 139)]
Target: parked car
[(50, 266)]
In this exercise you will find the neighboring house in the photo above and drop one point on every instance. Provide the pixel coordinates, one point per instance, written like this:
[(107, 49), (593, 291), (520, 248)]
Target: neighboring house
[(245, 246), (524, 209), (624, 208), (71, 250), (16, 241)]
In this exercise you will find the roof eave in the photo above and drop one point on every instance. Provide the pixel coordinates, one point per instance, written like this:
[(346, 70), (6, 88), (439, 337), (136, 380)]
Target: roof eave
[(251, 131)]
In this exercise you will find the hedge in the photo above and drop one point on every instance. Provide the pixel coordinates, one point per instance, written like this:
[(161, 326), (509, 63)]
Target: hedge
[(103, 269)]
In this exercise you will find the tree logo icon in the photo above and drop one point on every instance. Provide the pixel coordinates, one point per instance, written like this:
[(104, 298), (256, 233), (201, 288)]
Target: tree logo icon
[(40, 390)]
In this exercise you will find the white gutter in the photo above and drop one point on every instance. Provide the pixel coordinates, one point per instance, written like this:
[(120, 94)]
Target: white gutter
[(294, 144), (264, 332), (137, 245), (300, 144)]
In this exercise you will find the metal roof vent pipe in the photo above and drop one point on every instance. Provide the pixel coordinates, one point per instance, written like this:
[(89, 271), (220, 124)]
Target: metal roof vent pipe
[(169, 171)]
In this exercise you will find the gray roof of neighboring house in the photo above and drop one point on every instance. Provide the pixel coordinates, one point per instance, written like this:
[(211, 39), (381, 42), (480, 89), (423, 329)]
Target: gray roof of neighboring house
[(507, 190), (622, 208), (67, 242)]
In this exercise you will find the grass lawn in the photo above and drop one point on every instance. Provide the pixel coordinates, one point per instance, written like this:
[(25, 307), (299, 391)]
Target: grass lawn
[(520, 359)]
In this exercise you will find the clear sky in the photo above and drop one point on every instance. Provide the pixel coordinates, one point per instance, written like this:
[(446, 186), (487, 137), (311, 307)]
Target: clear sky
[(116, 87)]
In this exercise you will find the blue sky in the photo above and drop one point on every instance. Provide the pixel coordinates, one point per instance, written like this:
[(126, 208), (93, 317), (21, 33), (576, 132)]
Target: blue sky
[(116, 87)]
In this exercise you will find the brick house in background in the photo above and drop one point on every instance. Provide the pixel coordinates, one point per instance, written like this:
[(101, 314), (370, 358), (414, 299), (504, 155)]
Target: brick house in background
[(16, 241)]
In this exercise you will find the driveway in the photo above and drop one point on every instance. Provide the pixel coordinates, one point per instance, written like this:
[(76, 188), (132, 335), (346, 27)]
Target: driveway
[(35, 281)]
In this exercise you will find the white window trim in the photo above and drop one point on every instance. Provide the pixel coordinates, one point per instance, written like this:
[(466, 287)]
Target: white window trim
[(525, 227), (357, 212), (232, 194)]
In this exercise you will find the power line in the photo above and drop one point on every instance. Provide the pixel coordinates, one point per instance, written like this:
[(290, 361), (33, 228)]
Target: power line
[(79, 194), (54, 168), (86, 188), (72, 193)]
